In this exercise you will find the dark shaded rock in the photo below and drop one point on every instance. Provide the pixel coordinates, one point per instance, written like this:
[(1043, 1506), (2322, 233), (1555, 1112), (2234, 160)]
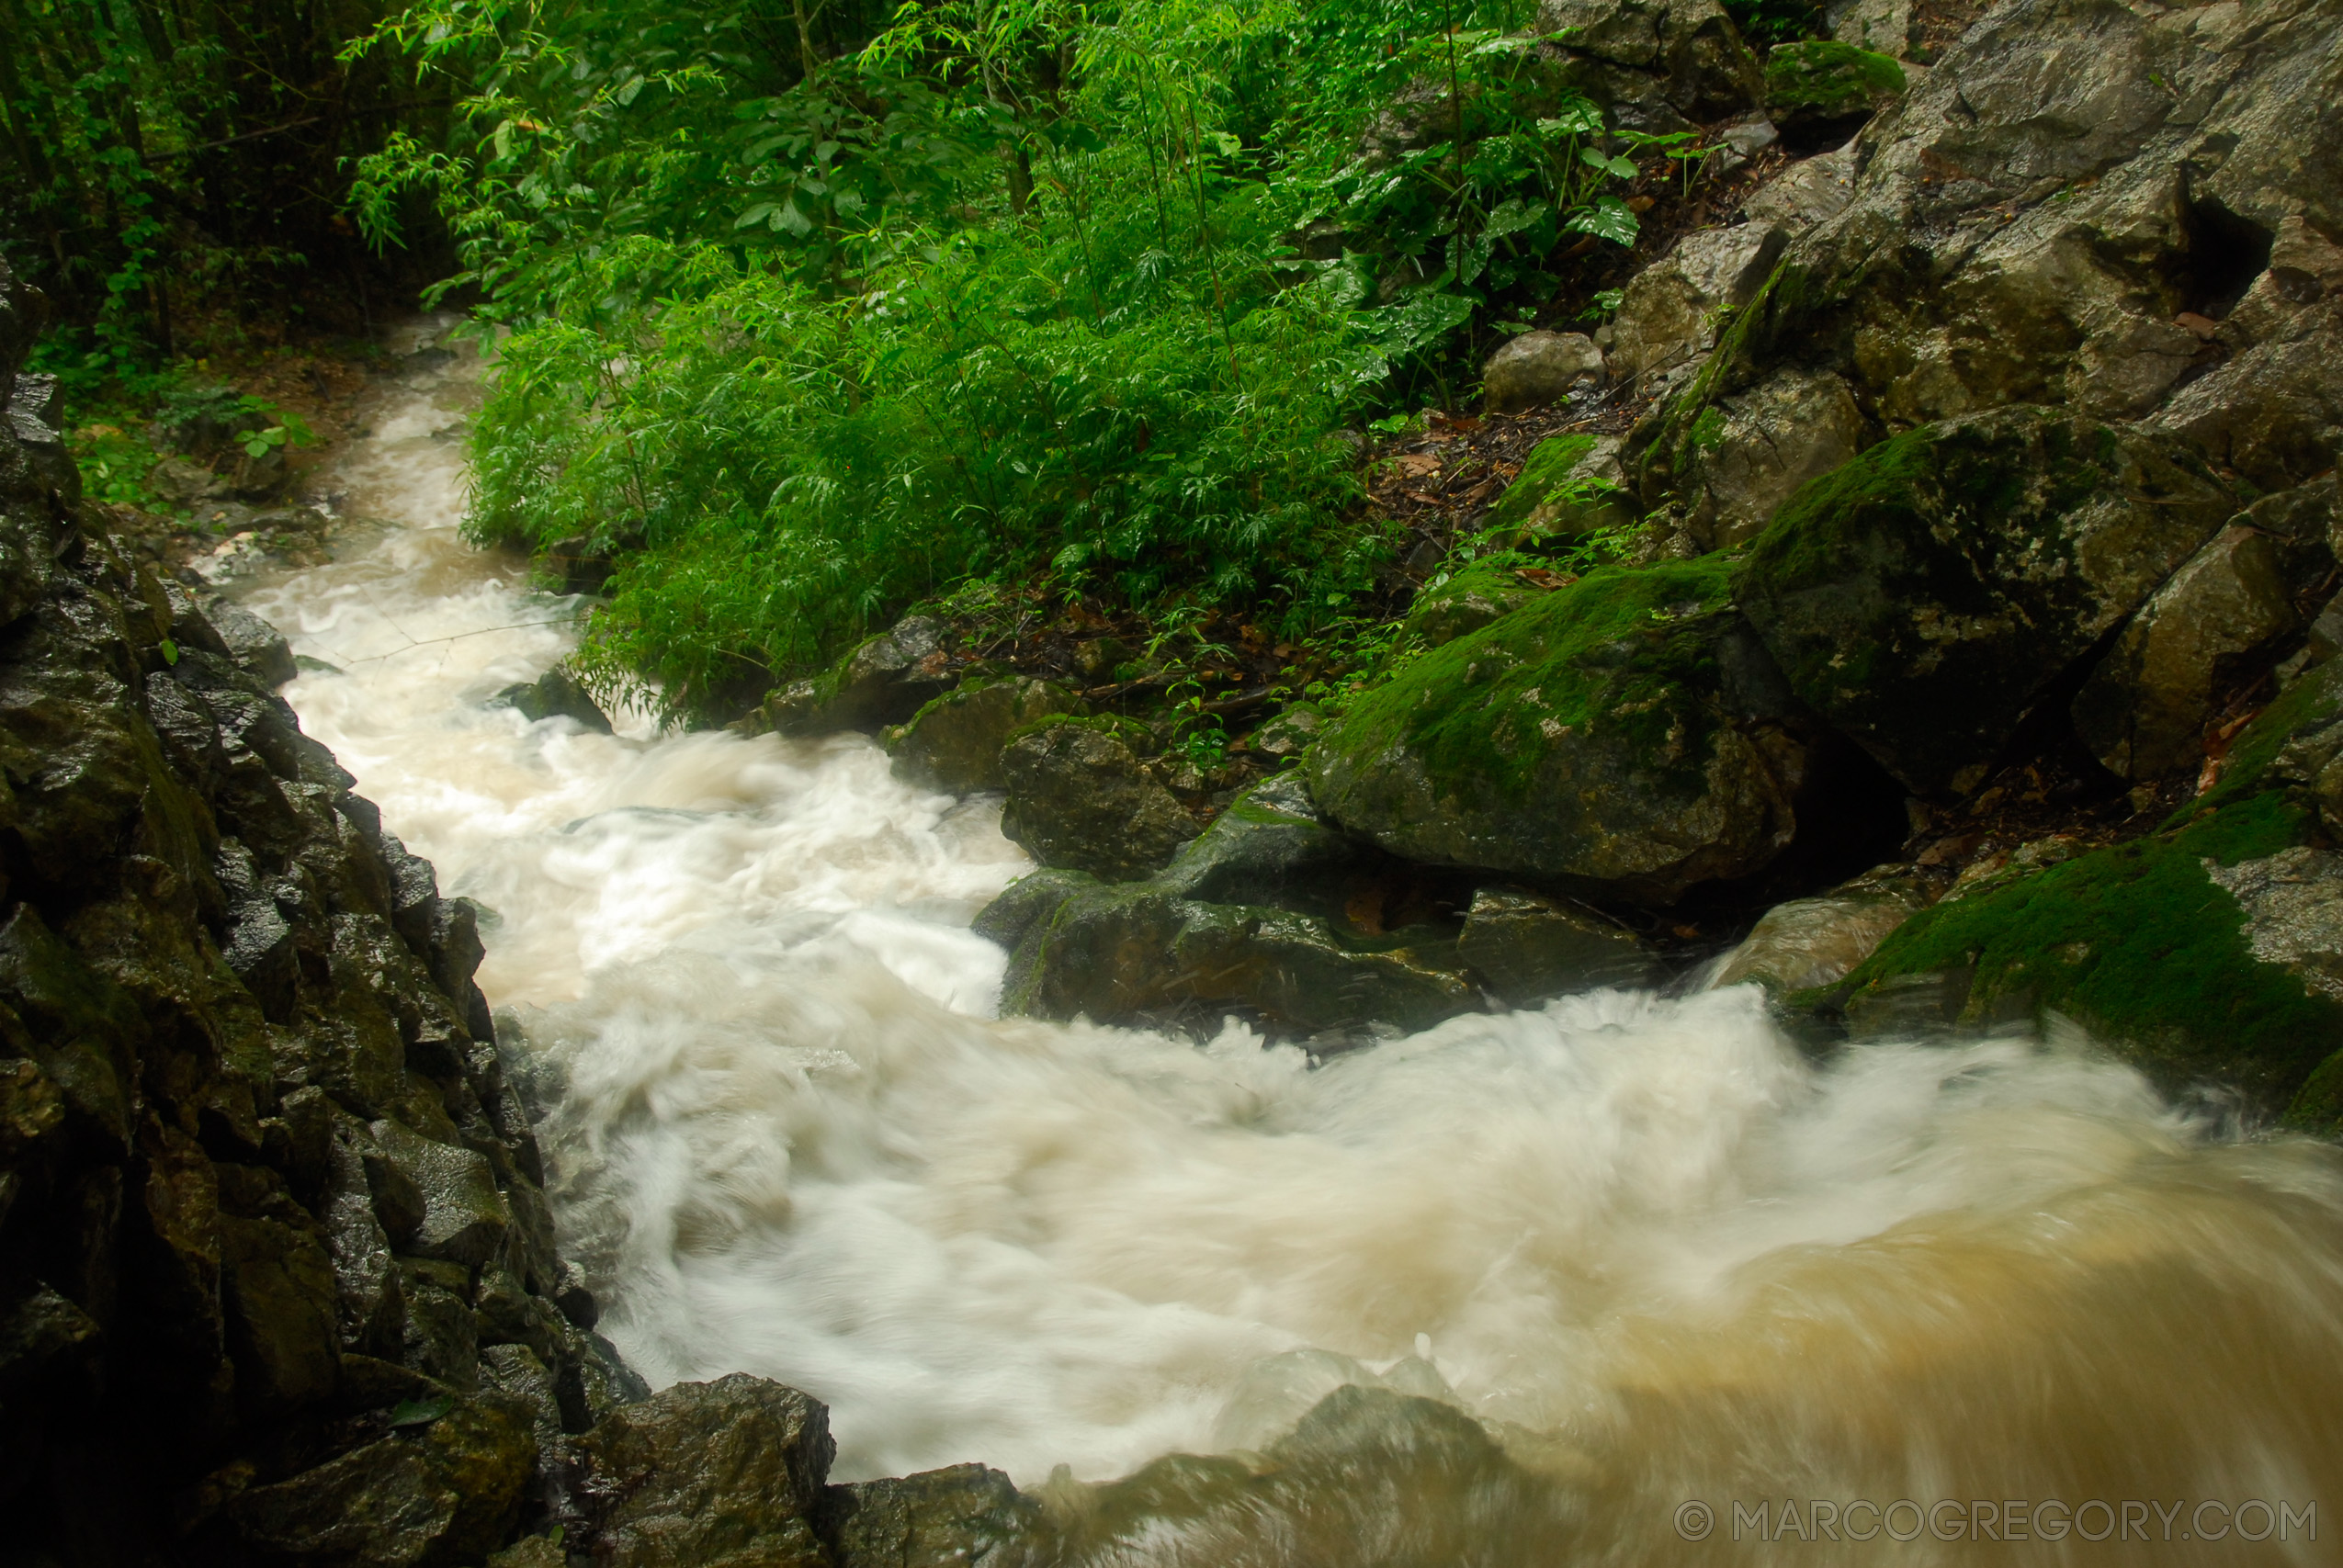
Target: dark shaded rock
[(1625, 734), (965, 1514), (444, 1492), (2212, 951), (253, 642), (556, 694), (883, 681), (464, 1216), (1525, 948), (576, 566), (955, 742), (1926, 594), (728, 1474), (1080, 800)]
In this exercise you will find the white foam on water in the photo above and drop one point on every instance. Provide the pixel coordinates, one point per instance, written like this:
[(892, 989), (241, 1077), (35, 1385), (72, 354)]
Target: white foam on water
[(1646, 1236)]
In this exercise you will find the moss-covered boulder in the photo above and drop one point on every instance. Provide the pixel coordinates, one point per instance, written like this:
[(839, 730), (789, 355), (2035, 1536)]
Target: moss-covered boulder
[(882, 680), (1626, 733), (1567, 488), (2210, 953), (955, 742), (1477, 596), (1924, 596)]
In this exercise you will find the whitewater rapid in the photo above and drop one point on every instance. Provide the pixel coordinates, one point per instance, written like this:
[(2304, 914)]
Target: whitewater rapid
[(1646, 1239)]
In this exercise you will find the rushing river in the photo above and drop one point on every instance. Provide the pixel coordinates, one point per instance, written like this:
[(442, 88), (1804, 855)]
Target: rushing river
[(1655, 1249)]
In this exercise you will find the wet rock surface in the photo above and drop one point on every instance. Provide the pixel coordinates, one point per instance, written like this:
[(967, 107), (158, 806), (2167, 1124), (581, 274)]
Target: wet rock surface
[(1080, 799), (1626, 735)]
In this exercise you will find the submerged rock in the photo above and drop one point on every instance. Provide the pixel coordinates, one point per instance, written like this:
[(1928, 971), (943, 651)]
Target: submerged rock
[(1279, 918), (1628, 735), (556, 694), (1923, 596)]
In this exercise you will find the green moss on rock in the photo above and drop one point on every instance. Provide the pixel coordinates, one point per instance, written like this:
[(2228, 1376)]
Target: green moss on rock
[(1615, 731), (1825, 79), (2143, 946)]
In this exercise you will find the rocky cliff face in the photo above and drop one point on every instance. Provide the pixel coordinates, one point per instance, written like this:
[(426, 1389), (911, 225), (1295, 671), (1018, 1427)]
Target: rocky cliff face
[(276, 1275)]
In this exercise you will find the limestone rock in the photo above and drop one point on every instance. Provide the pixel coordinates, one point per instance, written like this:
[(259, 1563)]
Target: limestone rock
[(965, 1514), (2032, 224), (1540, 367), (724, 1474), (1526, 948), (1810, 191), (955, 742), (1922, 596), (1669, 312), (1080, 799), (1626, 735), (2143, 708), (1767, 444), (445, 1492), (1809, 942)]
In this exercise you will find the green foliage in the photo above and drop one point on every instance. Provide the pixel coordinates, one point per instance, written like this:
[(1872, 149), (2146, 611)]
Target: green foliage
[(1003, 291), (1829, 77)]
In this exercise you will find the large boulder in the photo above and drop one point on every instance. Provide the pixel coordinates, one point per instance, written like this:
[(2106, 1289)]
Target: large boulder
[(723, 1474), (1657, 65), (1829, 82), (1758, 448), (1923, 596), (1476, 597), (955, 742), (1626, 735), (1080, 799)]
